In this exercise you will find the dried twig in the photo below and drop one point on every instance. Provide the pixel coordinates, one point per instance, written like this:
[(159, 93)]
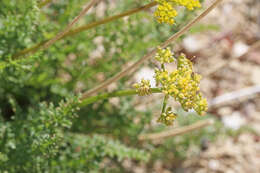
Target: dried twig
[(149, 55), (43, 3), (176, 131), (230, 60), (75, 20), (45, 44), (234, 95)]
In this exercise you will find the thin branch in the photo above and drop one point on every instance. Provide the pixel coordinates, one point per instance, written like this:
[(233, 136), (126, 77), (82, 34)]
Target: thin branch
[(75, 20), (176, 131), (45, 44), (165, 100), (226, 63), (149, 55), (43, 3), (93, 99), (235, 95), (86, 27), (110, 19)]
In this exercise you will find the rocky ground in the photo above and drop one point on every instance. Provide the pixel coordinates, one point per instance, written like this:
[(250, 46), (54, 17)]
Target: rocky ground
[(229, 60)]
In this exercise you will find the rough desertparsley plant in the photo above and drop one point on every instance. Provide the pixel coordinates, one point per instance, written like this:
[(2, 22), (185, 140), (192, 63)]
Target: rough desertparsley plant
[(39, 132)]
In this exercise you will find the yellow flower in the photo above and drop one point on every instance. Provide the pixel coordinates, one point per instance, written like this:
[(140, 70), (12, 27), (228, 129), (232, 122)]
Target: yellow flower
[(165, 13), (167, 117), (182, 84), (164, 55)]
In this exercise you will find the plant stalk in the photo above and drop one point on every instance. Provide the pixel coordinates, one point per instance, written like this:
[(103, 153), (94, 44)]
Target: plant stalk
[(165, 100), (176, 131), (93, 99), (69, 26), (43, 3)]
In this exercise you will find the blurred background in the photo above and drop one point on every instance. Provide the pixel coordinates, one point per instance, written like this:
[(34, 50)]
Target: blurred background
[(225, 50), (225, 47)]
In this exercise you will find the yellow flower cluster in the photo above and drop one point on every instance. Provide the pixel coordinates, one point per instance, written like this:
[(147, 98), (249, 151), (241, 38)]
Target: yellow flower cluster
[(164, 55), (189, 4), (143, 88), (167, 117), (166, 12), (183, 85)]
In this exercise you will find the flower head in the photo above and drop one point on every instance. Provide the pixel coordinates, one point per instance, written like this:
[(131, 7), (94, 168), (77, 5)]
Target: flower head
[(182, 84), (165, 13), (164, 55), (143, 88), (167, 117)]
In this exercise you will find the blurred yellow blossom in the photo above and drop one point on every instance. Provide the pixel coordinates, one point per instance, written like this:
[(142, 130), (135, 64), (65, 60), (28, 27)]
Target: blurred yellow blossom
[(166, 12)]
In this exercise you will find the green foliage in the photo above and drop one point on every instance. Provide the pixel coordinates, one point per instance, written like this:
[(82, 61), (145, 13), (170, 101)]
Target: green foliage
[(93, 149), (18, 25), (31, 138)]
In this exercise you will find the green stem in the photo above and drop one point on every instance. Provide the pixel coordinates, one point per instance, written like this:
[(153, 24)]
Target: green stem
[(165, 100), (93, 99), (162, 66), (85, 27)]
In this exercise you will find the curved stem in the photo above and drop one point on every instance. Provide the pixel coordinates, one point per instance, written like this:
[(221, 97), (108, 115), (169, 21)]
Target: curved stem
[(150, 54), (93, 99), (176, 131), (165, 100), (86, 27), (43, 3), (109, 19), (75, 20)]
